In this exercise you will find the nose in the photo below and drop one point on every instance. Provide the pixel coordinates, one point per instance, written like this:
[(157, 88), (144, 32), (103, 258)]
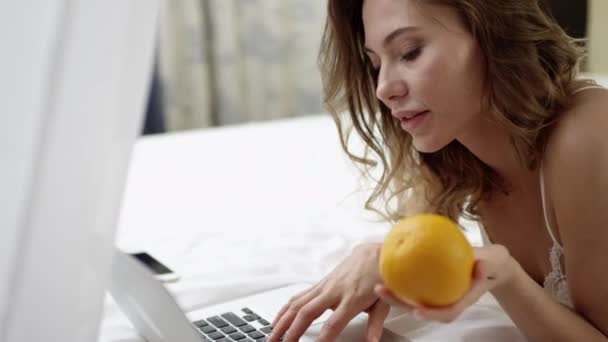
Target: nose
[(391, 87)]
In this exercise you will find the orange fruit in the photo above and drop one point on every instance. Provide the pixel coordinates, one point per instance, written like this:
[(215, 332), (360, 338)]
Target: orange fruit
[(428, 260)]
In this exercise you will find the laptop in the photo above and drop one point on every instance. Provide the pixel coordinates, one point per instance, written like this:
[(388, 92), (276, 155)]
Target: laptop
[(157, 316)]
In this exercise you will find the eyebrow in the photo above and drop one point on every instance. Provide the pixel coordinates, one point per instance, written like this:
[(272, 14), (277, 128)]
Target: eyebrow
[(393, 35)]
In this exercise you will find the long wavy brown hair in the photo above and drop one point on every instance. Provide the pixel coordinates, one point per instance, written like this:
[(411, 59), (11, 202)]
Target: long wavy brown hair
[(523, 45)]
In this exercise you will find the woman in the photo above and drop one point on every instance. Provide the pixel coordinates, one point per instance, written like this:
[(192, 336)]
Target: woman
[(478, 112)]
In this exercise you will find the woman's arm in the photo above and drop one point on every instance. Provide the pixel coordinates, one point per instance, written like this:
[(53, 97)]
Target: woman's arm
[(576, 170), (578, 181), (540, 317)]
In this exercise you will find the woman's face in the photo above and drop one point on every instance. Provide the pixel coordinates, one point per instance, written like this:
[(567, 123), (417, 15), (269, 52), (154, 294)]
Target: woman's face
[(429, 69)]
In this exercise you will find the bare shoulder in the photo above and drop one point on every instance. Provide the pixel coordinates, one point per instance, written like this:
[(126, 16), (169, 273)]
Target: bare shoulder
[(580, 137), (576, 172)]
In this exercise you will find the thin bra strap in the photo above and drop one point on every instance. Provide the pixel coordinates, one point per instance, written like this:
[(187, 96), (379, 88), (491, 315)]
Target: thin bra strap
[(542, 178), (592, 86), (542, 196)]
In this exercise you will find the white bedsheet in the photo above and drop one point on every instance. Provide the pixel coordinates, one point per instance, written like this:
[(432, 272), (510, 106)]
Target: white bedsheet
[(242, 209)]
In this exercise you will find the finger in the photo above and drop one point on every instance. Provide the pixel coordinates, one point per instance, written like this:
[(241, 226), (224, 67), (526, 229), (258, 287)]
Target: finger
[(279, 315), (387, 296), (483, 282), (291, 301), (375, 321), (289, 314), (305, 317), (482, 273), (439, 315), (337, 322)]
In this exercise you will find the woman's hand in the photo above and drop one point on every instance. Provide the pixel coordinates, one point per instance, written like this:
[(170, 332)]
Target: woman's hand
[(347, 290), (494, 267)]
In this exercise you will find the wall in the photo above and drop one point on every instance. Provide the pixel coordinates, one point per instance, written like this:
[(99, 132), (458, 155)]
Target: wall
[(598, 32)]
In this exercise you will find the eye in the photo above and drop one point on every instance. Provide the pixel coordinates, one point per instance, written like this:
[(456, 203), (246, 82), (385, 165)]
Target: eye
[(374, 67), (375, 72), (412, 55)]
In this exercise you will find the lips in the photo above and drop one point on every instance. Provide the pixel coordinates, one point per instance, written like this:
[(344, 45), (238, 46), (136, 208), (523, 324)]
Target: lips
[(412, 121), (408, 114)]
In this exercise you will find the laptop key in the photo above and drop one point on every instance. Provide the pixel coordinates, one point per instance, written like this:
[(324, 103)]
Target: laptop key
[(208, 329), (228, 330), (247, 310), (201, 323), (249, 318), (255, 316), (263, 322), (256, 334), (237, 336), (217, 321), (233, 319), (216, 335), (247, 328), (225, 339), (266, 329)]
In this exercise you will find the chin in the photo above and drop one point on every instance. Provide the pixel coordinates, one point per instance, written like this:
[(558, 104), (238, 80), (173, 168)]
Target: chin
[(428, 145)]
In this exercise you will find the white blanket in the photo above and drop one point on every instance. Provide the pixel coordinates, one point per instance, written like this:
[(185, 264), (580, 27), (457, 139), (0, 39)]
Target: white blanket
[(242, 209)]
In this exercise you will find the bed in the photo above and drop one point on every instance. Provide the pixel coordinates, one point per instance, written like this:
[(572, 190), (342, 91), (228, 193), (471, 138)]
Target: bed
[(278, 202)]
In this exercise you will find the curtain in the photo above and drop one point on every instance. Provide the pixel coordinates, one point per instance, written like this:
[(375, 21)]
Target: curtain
[(230, 61)]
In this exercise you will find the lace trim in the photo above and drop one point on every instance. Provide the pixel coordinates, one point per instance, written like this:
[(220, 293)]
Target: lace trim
[(555, 282)]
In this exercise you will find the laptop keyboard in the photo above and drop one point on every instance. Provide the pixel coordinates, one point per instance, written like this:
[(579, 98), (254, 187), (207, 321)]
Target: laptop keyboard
[(230, 326)]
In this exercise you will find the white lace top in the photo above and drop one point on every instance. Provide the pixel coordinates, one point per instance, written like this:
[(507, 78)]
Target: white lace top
[(555, 283)]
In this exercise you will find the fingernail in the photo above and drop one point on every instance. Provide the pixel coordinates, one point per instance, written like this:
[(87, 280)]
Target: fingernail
[(417, 315)]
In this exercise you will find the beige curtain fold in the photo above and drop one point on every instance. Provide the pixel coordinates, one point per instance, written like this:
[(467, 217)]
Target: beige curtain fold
[(231, 61)]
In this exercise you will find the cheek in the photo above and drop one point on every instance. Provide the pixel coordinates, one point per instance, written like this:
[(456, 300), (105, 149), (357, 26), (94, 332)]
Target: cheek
[(466, 79), (432, 86), (450, 84)]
